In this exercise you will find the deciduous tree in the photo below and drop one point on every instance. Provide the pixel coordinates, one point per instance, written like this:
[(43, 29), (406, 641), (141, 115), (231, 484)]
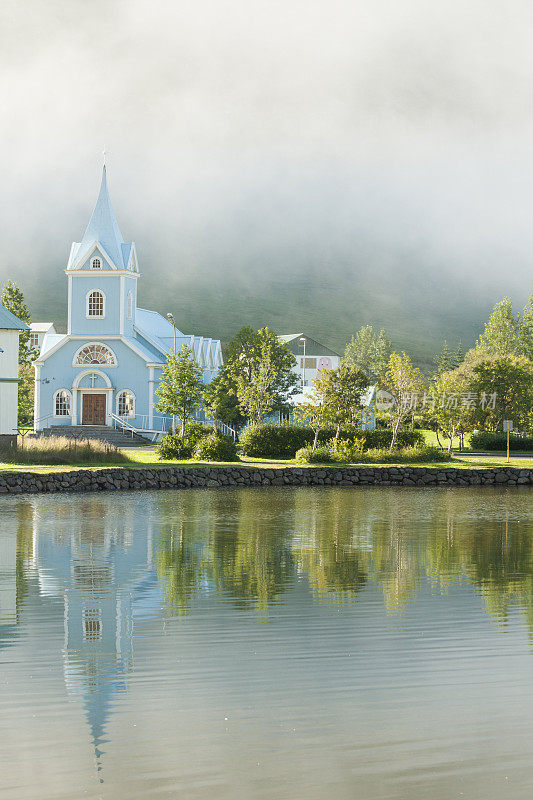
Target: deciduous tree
[(406, 384), (181, 388), (505, 390), (341, 391), (13, 299), (500, 336), (369, 352)]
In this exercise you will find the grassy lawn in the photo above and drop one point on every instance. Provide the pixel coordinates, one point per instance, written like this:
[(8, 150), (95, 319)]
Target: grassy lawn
[(147, 457)]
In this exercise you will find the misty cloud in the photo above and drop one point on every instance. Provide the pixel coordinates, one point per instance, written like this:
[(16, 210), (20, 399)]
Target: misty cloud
[(334, 143)]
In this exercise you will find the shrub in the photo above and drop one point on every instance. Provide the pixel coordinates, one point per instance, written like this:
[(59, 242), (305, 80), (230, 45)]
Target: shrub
[(322, 455), (408, 455), (347, 450), (172, 445), (194, 431), (382, 437), (216, 447), (348, 454), (62, 450), (487, 440), (274, 441), (282, 441)]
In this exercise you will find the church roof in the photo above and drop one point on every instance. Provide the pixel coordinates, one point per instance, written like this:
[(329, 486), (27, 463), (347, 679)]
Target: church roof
[(154, 324), (160, 333), (9, 322), (103, 228)]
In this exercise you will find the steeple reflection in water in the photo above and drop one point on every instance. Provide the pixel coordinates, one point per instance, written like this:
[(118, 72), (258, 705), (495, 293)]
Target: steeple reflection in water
[(100, 564)]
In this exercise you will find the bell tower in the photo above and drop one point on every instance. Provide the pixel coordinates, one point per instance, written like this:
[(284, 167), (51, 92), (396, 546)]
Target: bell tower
[(102, 275)]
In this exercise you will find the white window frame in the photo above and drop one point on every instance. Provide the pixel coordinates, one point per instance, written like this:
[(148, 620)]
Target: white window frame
[(117, 401), (34, 339), (94, 367), (87, 301), (129, 306), (69, 395), (93, 262)]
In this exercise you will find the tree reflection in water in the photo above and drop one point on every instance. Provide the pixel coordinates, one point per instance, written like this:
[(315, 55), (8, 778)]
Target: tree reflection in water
[(254, 545)]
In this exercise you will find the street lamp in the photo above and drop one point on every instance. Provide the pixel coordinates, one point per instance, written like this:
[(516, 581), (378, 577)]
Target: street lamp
[(302, 340), (170, 318)]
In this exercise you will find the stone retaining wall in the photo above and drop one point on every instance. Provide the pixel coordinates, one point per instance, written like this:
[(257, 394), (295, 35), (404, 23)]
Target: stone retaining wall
[(102, 480)]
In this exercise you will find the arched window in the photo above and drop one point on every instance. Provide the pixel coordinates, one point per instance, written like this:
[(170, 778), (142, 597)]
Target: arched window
[(96, 304), (96, 263), (125, 404), (130, 305), (62, 403), (95, 354)]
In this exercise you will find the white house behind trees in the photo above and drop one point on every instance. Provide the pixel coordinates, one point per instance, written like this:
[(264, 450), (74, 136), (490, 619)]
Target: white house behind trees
[(311, 358), (10, 329)]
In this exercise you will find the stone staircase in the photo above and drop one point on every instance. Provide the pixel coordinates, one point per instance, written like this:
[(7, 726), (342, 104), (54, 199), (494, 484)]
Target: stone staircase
[(102, 432)]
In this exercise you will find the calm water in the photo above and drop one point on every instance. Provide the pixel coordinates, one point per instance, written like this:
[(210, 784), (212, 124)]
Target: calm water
[(304, 643)]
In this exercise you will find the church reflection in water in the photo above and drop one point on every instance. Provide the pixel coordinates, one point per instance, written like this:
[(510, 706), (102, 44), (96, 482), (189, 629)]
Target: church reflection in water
[(104, 563), (99, 563)]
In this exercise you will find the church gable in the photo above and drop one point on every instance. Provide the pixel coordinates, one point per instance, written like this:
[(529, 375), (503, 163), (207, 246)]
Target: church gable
[(95, 259)]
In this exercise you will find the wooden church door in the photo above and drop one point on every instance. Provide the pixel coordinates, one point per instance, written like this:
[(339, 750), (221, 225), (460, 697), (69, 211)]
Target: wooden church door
[(93, 409)]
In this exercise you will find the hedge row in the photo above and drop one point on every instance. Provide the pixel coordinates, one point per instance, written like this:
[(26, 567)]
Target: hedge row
[(485, 440), (282, 441)]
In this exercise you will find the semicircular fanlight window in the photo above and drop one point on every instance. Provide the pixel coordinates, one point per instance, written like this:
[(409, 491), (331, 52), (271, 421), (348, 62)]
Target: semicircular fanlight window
[(95, 354)]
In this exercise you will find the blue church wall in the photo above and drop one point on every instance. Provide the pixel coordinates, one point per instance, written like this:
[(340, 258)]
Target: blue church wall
[(110, 285), (131, 374)]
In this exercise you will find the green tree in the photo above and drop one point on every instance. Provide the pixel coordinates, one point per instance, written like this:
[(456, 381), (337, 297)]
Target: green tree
[(505, 391), (13, 299), (313, 413), (257, 358), (458, 355), (341, 392), (444, 361), (405, 383), (369, 352), (500, 336), (526, 331), (221, 400), (452, 405), (181, 389), (255, 392)]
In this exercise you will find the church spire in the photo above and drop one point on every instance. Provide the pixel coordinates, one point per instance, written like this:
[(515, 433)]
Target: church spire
[(103, 228)]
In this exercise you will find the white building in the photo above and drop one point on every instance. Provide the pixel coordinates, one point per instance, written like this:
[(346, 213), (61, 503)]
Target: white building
[(38, 331), (10, 329), (311, 357)]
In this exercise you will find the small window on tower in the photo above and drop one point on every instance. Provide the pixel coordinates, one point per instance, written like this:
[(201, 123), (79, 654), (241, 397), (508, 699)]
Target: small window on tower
[(96, 305), (130, 305), (96, 263)]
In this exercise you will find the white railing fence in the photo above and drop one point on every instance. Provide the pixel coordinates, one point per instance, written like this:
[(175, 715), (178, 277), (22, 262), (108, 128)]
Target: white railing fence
[(152, 427)]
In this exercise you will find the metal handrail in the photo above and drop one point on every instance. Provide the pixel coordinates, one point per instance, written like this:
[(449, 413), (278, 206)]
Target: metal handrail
[(124, 425), (38, 421)]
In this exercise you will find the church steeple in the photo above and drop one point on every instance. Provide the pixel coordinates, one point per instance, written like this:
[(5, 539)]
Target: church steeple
[(102, 273), (103, 228)]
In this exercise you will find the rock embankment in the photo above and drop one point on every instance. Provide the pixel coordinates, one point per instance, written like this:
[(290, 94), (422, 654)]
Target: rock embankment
[(104, 480)]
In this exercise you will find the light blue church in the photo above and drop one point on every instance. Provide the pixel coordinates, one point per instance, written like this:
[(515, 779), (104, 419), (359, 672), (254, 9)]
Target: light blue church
[(106, 369)]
